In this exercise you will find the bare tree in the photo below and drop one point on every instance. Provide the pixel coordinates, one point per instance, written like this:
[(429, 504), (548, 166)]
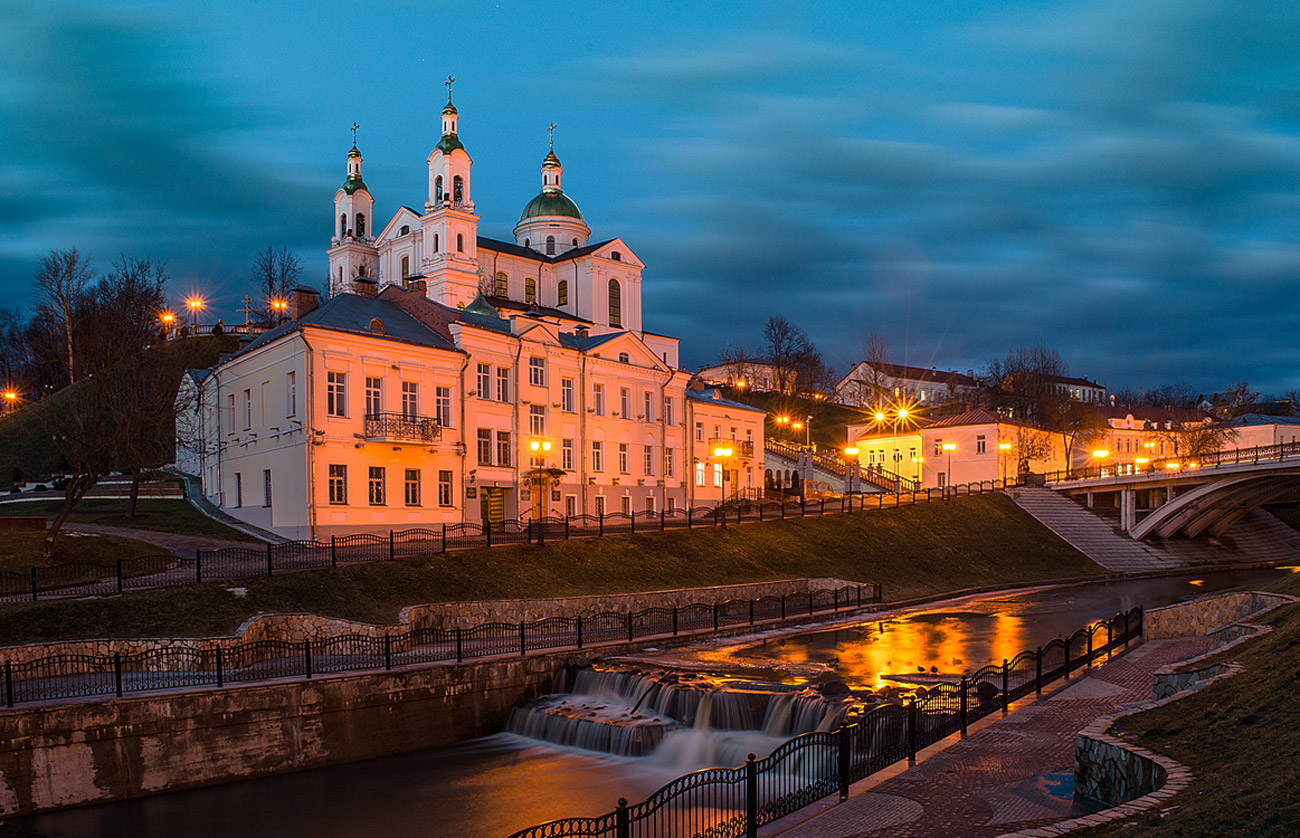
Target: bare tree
[(61, 279), (1024, 382), (791, 354), (1080, 425), (274, 275), (740, 365), (1196, 439), (872, 385), (1032, 444), (78, 423)]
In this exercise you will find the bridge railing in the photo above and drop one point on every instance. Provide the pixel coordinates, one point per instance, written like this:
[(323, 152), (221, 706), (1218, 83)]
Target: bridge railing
[(1279, 452)]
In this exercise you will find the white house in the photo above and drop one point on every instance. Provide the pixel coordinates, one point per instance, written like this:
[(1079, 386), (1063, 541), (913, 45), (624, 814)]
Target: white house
[(876, 384)]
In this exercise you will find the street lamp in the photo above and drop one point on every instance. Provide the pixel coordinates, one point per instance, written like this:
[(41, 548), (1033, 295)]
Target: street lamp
[(1100, 456), (11, 399), (724, 453), (167, 319), (949, 447), (1003, 448), (782, 421), (195, 305), (850, 467), (280, 308)]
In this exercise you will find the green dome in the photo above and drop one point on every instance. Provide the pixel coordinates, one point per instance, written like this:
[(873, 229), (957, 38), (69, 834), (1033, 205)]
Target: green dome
[(551, 202), (481, 306), (448, 144), (352, 184)]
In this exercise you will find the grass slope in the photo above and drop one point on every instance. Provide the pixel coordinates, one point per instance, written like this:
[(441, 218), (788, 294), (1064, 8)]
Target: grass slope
[(153, 514), (913, 551), (1240, 736), (20, 550)]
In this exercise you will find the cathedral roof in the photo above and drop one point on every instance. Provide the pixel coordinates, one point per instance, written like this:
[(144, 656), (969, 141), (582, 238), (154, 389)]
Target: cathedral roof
[(551, 202), (551, 161), (513, 249), (352, 184), (448, 143)]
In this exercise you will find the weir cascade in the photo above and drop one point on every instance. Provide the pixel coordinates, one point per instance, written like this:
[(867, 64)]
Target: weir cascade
[(676, 719)]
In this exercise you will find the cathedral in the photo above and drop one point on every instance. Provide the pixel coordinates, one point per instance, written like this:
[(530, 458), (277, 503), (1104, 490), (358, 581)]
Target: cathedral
[(452, 377)]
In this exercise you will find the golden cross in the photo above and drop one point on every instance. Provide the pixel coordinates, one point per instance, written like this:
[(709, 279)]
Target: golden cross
[(550, 129), (355, 126), (448, 82)]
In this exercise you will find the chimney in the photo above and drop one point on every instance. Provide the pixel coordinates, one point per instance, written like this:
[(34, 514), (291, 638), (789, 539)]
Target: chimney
[(417, 285), (580, 331), (365, 286), (302, 301)]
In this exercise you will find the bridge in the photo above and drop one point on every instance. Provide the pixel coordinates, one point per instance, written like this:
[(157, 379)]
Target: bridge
[(1188, 497)]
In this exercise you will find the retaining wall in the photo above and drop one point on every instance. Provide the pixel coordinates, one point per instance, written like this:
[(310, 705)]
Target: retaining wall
[(1201, 616)]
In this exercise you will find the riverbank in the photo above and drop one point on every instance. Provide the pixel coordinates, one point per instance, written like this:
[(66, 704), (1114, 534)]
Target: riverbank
[(912, 551)]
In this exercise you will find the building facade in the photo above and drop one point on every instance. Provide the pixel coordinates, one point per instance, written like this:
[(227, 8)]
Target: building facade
[(875, 385), (452, 377)]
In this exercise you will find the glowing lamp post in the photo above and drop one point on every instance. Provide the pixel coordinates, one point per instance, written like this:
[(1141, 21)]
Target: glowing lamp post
[(279, 309), (724, 454), (949, 447), (1100, 456), (168, 320), (11, 400), (850, 467), (195, 305), (540, 447), (1003, 448)]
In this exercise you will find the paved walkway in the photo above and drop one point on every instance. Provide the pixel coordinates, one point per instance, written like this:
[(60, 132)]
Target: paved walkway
[(1015, 773), (175, 543)]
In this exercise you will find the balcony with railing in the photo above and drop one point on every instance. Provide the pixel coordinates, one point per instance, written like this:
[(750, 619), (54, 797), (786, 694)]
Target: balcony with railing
[(403, 427), (741, 449)]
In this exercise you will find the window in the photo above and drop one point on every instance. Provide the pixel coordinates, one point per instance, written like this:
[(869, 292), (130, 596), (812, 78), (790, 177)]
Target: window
[(374, 396), (338, 484), (562, 293), (336, 393), (622, 458), (598, 398), (615, 304), (938, 448), (597, 455), (530, 290), (672, 505), (537, 419), (570, 505), (625, 402), (377, 325), (943, 479), (503, 448), (485, 381), (442, 406), (437, 189), (460, 242), (979, 444), (361, 225), (566, 395), (503, 384), (649, 461), (406, 266), (343, 227), (248, 409), (600, 504), (411, 487), (626, 503), (624, 358), (550, 245), (406, 228), (650, 504), (230, 413), (616, 256), (648, 407), (435, 242), (458, 190), (291, 394), (484, 447), (668, 411), (410, 399), (376, 485), (668, 462), (699, 474), (566, 454), (537, 372), (444, 487), (239, 489), (501, 285), (717, 475), (699, 431)]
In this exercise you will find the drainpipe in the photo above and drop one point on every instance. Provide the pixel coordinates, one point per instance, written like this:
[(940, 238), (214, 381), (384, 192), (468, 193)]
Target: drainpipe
[(310, 433), (464, 439), (663, 441), (581, 454), (516, 436)]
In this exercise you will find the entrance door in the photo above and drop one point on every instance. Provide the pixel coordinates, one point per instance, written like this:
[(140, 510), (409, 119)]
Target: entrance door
[(493, 507), (539, 489)]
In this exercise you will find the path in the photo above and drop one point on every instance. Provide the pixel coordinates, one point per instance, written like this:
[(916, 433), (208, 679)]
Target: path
[(175, 543), (1016, 773)]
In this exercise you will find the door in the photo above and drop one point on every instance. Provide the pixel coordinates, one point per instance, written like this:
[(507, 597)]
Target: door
[(493, 507)]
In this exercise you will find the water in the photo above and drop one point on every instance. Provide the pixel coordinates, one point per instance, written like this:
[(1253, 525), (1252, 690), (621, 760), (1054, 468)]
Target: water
[(490, 787)]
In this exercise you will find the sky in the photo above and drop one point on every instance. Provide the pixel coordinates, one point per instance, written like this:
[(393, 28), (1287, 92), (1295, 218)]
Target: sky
[(1119, 181)]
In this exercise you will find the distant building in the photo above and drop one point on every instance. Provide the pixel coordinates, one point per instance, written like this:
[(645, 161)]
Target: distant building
[(1076, 389), (1257, 429), (752, 375), (1134, 435), (871, 385)]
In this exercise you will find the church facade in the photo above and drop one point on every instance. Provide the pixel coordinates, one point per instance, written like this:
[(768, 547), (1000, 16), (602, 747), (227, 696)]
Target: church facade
[(452, 377)]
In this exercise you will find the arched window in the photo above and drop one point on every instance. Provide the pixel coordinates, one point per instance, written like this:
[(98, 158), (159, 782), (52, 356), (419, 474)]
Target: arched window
[(502, 286), (406, 266), (615, 304), (406, 228), (575, 242), (527, 242), (377, 325), (437, 189), (340, 274), (616, 256), (361, 270), (550, 245), (530, 290), (435, 242), (458, 189), (361, 225), (460, 242), (343, 225), (562, 292)]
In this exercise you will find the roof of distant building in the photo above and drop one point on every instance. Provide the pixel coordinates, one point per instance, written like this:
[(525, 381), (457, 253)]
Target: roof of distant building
[(938, 376), (356, 313), (713, 395), (978, 416), (1253, 419), (1155, 415)]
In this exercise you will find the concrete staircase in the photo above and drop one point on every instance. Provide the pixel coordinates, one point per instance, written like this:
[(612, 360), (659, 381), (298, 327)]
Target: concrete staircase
[(1257, 538)]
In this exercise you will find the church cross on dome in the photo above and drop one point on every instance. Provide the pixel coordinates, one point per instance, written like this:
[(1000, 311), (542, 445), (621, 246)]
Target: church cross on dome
[(550, 129), (448, 83), (355, 126)]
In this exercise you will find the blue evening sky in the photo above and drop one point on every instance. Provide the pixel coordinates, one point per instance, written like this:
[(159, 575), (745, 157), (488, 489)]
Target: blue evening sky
[(1119, 180)]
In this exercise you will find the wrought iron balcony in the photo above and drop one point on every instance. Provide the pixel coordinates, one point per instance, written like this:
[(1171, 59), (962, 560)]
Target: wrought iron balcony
[(740, 448), (402, 426)]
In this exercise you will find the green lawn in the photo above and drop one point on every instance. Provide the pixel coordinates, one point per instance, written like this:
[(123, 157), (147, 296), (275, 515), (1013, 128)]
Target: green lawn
[(913, 551), (20, 550), (1240, 736), (153, 514)]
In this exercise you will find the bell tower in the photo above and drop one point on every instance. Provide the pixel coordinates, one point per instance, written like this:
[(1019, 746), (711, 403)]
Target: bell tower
[(352, 251), (450, 226)]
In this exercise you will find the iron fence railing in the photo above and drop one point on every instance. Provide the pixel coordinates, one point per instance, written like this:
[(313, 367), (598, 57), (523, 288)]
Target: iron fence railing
[(75, 579), (737, 801), (874, 474), (402, 426), (1181, 465), (65, 676)]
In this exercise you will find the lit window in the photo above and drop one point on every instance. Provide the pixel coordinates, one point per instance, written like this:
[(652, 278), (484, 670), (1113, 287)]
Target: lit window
[(530, 290), (411, 487), (562, 292), (615, 304), (537, 372), (376, 484), (336, 393), (444, 487), (338, 487), (501, 287)]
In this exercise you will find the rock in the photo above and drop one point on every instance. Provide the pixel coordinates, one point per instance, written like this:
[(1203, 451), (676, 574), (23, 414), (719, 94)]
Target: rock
[(579, 662), (834, 689)]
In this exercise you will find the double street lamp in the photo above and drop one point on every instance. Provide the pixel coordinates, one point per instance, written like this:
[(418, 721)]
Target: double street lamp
[(949, 447)]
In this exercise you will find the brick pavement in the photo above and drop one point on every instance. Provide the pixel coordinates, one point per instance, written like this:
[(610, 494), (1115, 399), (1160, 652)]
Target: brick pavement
[(1014, 773)]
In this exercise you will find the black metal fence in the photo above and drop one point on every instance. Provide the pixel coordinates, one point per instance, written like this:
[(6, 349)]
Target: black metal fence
[(179, 666), (720, 802), (73, 579)]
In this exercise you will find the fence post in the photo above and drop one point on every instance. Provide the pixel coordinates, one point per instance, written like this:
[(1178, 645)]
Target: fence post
[(823, 510), (33, 583), (803, 505), (783, 606), (689, 514), (388, 651), (845, 761), (621, 828), (810, 603), (600, 516), (674, 621), (629, 627), (1110, 637), (911, 731), (460, 646), (334, 553), (579, 631), (523, 641), (9, 684), (117, 673), (444, 538), (964, 698), (1141, 617), (783, 509), (198, 566), (715, 616), (566, 527), (306, 656), (528, 538), (1067, 657), (836, 593), (268, 558), (1038, 671), (663, 519), (633, 517), (760, 511), (1006, 693), (392, 546), (221, 669), (751, 611), (751, 797), (487, 533), (1089, 648)]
